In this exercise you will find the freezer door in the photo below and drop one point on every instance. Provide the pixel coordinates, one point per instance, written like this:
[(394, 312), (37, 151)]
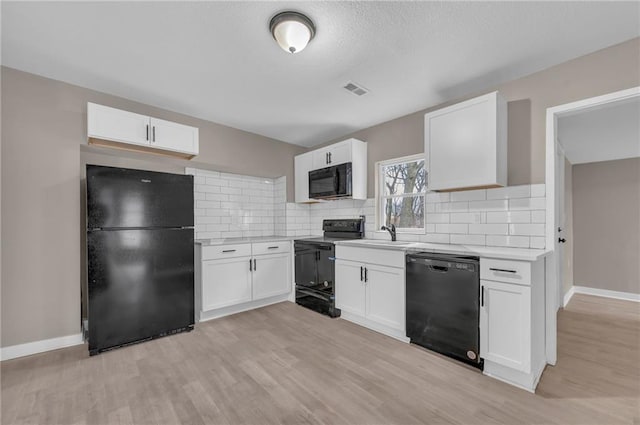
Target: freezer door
[(120, 197), (141, 285)]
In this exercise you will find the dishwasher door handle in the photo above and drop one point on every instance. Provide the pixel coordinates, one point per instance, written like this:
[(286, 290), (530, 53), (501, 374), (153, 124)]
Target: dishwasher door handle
[(439, 269)]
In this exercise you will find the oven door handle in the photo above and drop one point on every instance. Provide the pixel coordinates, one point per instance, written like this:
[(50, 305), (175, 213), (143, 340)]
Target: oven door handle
[(312, 294)]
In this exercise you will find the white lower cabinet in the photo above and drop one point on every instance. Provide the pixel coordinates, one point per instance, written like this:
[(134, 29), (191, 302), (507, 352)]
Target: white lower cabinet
[(505, 324), (350, 289), (385, 296), (512, 320), (232, 281), (225, 282), (270, 275), (372, 294)]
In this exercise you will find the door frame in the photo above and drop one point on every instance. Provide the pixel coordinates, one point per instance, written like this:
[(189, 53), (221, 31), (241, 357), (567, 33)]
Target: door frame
[(553, 278)]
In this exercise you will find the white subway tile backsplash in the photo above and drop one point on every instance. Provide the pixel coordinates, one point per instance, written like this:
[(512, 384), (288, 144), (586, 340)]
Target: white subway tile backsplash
[(452, 228), (538, 190), (474, 217), (509, 241), (215, 181), (494, 205), (534, 229), (509, 217), (451, 207), (468, 239), (437, 197), (509, 192), (527, 204), (537, 242), (229, 205), (539, 216), (469, 195), (489, 229), (435, 238), (438, 218)]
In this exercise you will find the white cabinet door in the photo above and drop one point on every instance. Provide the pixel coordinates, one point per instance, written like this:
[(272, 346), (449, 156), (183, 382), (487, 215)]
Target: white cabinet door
[(302, 165), (270, 275), (350, 289), (173, 136), (385, 296), (338, 153), (116, 125), (225, 282), (505, 324), (465, 144)]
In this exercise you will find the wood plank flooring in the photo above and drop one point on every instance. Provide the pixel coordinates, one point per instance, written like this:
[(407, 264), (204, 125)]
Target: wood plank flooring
[(285, 364)]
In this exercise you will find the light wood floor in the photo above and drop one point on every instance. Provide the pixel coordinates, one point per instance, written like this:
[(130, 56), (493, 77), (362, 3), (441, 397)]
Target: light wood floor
[(286, 364)]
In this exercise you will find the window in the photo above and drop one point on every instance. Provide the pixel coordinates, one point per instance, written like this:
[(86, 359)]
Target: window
[(401, 187)]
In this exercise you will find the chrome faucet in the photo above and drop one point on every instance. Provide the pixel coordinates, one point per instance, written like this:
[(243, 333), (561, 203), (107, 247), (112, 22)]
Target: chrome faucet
[(391, 230)]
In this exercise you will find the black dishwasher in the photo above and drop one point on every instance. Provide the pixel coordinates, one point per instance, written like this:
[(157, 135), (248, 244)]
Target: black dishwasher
[(443, 304)]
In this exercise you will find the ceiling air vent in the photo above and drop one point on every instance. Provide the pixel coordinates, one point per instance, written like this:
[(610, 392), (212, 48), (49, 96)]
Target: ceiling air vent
[(356, 89)]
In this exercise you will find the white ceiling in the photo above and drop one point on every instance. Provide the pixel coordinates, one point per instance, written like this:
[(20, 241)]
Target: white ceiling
[(217, 60), (602, 133)]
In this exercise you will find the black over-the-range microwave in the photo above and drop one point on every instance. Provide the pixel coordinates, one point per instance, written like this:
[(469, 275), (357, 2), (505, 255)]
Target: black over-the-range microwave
[(331, 182)]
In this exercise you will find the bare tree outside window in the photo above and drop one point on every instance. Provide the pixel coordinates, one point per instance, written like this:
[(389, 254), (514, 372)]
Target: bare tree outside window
[(402, 193)]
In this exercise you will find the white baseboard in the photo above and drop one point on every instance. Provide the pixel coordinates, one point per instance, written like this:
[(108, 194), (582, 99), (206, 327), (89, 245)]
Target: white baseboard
[(568, 295), (21, 350), (627, 296)]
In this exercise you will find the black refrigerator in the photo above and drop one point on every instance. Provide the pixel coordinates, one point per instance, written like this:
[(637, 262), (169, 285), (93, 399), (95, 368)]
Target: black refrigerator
[(140, 255)]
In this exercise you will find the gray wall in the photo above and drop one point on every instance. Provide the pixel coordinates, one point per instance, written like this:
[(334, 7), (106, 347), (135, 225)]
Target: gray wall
[(606, 225), (604, 71), (43, 132)]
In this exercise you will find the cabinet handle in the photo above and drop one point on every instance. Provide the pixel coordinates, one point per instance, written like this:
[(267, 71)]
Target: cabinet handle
[(273, 247), (482, 296), (250, 268), (255, 265), (329, 157), (228, 250), (326, 157), (502, 270), (361, 275), (366, 278), (154, 133), (147, 132)]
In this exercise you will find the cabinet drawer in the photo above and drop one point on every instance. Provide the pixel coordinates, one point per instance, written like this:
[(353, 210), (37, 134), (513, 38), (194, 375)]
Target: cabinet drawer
[(382, 257), (275, 247), (217, 252), (506, 271)]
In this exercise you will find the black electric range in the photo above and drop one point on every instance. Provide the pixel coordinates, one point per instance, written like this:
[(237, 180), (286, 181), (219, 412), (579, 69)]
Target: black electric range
[(315, 267)]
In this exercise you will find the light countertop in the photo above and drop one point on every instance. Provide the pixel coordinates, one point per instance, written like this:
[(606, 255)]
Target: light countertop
[(523, 254), (257, 239)]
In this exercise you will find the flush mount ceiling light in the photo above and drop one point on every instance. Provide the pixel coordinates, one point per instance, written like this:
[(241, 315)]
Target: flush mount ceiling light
[(292, 31)]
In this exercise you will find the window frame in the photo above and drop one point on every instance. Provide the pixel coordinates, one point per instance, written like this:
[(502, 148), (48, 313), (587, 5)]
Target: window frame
[(379, 192)]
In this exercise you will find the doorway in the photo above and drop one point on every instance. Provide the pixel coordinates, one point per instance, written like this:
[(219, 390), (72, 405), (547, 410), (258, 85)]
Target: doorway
[(575, 133)]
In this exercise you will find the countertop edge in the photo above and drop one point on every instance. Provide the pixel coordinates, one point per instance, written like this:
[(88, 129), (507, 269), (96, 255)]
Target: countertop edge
[(522, 254), (257, 239)]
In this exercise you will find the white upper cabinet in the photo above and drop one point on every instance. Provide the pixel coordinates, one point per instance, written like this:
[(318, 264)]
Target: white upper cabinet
[(350, 150), (173, 136), (122, 129), (332, 155), (466, 144), (117, 125)]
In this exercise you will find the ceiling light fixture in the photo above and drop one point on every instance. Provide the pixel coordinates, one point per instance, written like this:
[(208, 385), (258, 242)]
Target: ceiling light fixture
[(292, 31)]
